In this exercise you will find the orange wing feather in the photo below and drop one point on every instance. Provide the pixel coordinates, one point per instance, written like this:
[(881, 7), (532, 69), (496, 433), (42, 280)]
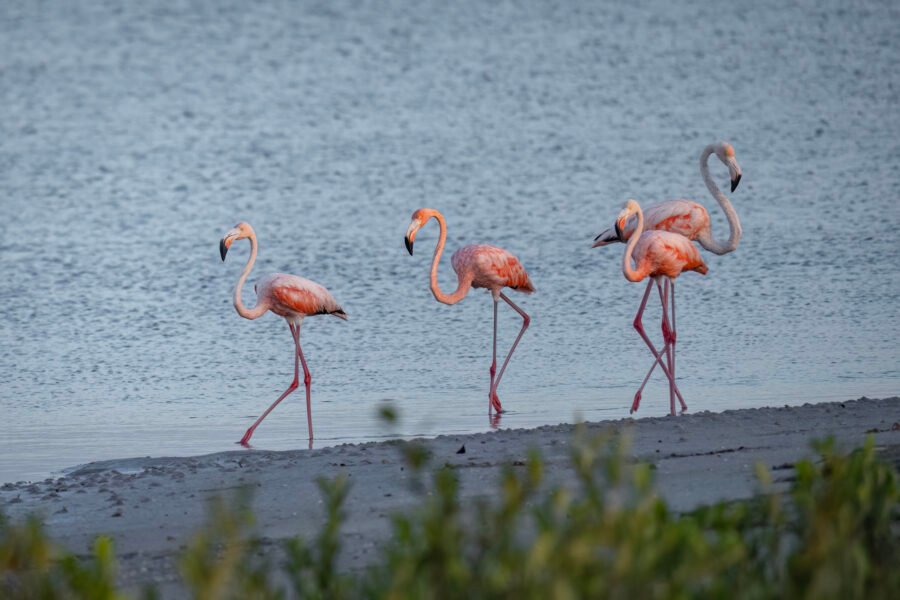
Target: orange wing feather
[(492, 268), (300, 297), (300, 301)]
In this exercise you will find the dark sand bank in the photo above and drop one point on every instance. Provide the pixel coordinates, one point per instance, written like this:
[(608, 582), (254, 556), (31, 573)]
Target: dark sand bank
[(150, 506)]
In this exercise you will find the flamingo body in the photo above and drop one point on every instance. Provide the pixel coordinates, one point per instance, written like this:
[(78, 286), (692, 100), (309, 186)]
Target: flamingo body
[(684, 217), (294, 298), (666, 254), (491, 268)]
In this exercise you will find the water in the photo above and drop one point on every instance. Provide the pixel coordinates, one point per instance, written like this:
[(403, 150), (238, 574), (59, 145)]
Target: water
[(132, 137)]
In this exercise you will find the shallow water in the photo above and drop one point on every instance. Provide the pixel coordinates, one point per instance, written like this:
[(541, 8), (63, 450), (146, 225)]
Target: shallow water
[(133, 137)]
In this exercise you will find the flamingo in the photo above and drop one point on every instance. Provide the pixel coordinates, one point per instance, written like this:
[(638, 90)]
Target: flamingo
[(662, 256), (477, 266), (289, 297), (689, 218)]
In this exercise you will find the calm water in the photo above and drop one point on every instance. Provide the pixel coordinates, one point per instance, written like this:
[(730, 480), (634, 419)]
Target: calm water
[(132, 137)]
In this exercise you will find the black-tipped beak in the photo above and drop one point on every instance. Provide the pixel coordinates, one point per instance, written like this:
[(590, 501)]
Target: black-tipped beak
[(409, 245), (735, 182), (618, 232), (223, 249)]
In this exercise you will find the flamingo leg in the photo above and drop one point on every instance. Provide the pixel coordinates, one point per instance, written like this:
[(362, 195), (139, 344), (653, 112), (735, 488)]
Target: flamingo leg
[(307, 382), (667, 337), (673, 337), (295, 333), (667, 331), (493, 362), (639, 326), (526, 320)]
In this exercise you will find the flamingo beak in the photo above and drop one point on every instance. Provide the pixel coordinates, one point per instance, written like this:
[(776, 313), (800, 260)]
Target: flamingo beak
[(225, 243), (619, 232), (411, 235), (735, 181)]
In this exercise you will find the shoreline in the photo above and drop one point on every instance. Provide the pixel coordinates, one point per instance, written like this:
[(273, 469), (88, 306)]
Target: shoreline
[(151, 506)]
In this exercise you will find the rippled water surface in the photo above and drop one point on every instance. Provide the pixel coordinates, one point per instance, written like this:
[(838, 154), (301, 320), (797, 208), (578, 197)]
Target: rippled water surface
[(133, 136)]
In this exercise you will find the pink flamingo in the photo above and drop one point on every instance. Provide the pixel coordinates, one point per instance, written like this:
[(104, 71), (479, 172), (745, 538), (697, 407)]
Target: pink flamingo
[(662, 256), (288, 296), (477, 266), (689, 218)]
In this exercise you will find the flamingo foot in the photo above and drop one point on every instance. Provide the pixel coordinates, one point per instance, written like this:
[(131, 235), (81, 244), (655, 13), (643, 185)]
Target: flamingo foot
[(636, 403), (245, 441), (495, 402)]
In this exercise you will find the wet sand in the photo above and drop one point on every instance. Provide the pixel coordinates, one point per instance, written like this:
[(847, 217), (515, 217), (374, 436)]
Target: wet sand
[(151, 506)]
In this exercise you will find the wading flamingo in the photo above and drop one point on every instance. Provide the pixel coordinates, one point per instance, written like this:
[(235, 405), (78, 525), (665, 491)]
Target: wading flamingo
[(477, 266), (662, 256), (689, 218), (288, 296)]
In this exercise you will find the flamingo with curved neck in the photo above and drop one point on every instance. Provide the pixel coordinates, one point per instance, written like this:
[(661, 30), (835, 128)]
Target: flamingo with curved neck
[(288, 296), (689, 218), (662, 256), (477, 266)]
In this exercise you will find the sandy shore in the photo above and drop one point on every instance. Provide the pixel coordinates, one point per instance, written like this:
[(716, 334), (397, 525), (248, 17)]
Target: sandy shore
[(150, 506)]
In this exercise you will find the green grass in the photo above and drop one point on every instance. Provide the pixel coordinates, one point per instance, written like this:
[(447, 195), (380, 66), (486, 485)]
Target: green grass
[(834, 535)]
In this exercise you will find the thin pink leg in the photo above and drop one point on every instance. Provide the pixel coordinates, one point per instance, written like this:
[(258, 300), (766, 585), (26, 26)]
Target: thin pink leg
[(526, 320), (295, 333), (493, 363), (307, 381), (668, 330), (673, 336), (639, 326), (667, 337)]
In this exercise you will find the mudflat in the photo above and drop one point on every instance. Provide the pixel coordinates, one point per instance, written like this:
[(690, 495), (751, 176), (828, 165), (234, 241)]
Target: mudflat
[(151, 506)]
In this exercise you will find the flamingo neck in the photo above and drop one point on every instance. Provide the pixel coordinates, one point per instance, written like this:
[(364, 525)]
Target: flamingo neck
[(464, 283), (261, 306), (734, 237), (641, 272)]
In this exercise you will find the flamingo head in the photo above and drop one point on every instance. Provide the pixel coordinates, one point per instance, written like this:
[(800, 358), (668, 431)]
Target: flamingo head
[(630, 207), (725, 153), (618, 232), (238, 232), (419, 218)]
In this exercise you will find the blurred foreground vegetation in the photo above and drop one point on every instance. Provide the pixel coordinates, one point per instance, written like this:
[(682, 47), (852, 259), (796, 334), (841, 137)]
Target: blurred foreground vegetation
[(836, 534)]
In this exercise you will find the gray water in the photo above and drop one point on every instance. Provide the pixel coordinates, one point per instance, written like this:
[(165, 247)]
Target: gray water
[(133, 136)]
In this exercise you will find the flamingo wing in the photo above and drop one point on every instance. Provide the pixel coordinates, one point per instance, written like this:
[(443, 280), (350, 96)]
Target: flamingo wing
[(669, 253), (493, 268), (300, 297)]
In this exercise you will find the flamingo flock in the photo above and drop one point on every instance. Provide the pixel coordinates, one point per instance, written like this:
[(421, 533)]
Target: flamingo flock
[(659, 241)]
